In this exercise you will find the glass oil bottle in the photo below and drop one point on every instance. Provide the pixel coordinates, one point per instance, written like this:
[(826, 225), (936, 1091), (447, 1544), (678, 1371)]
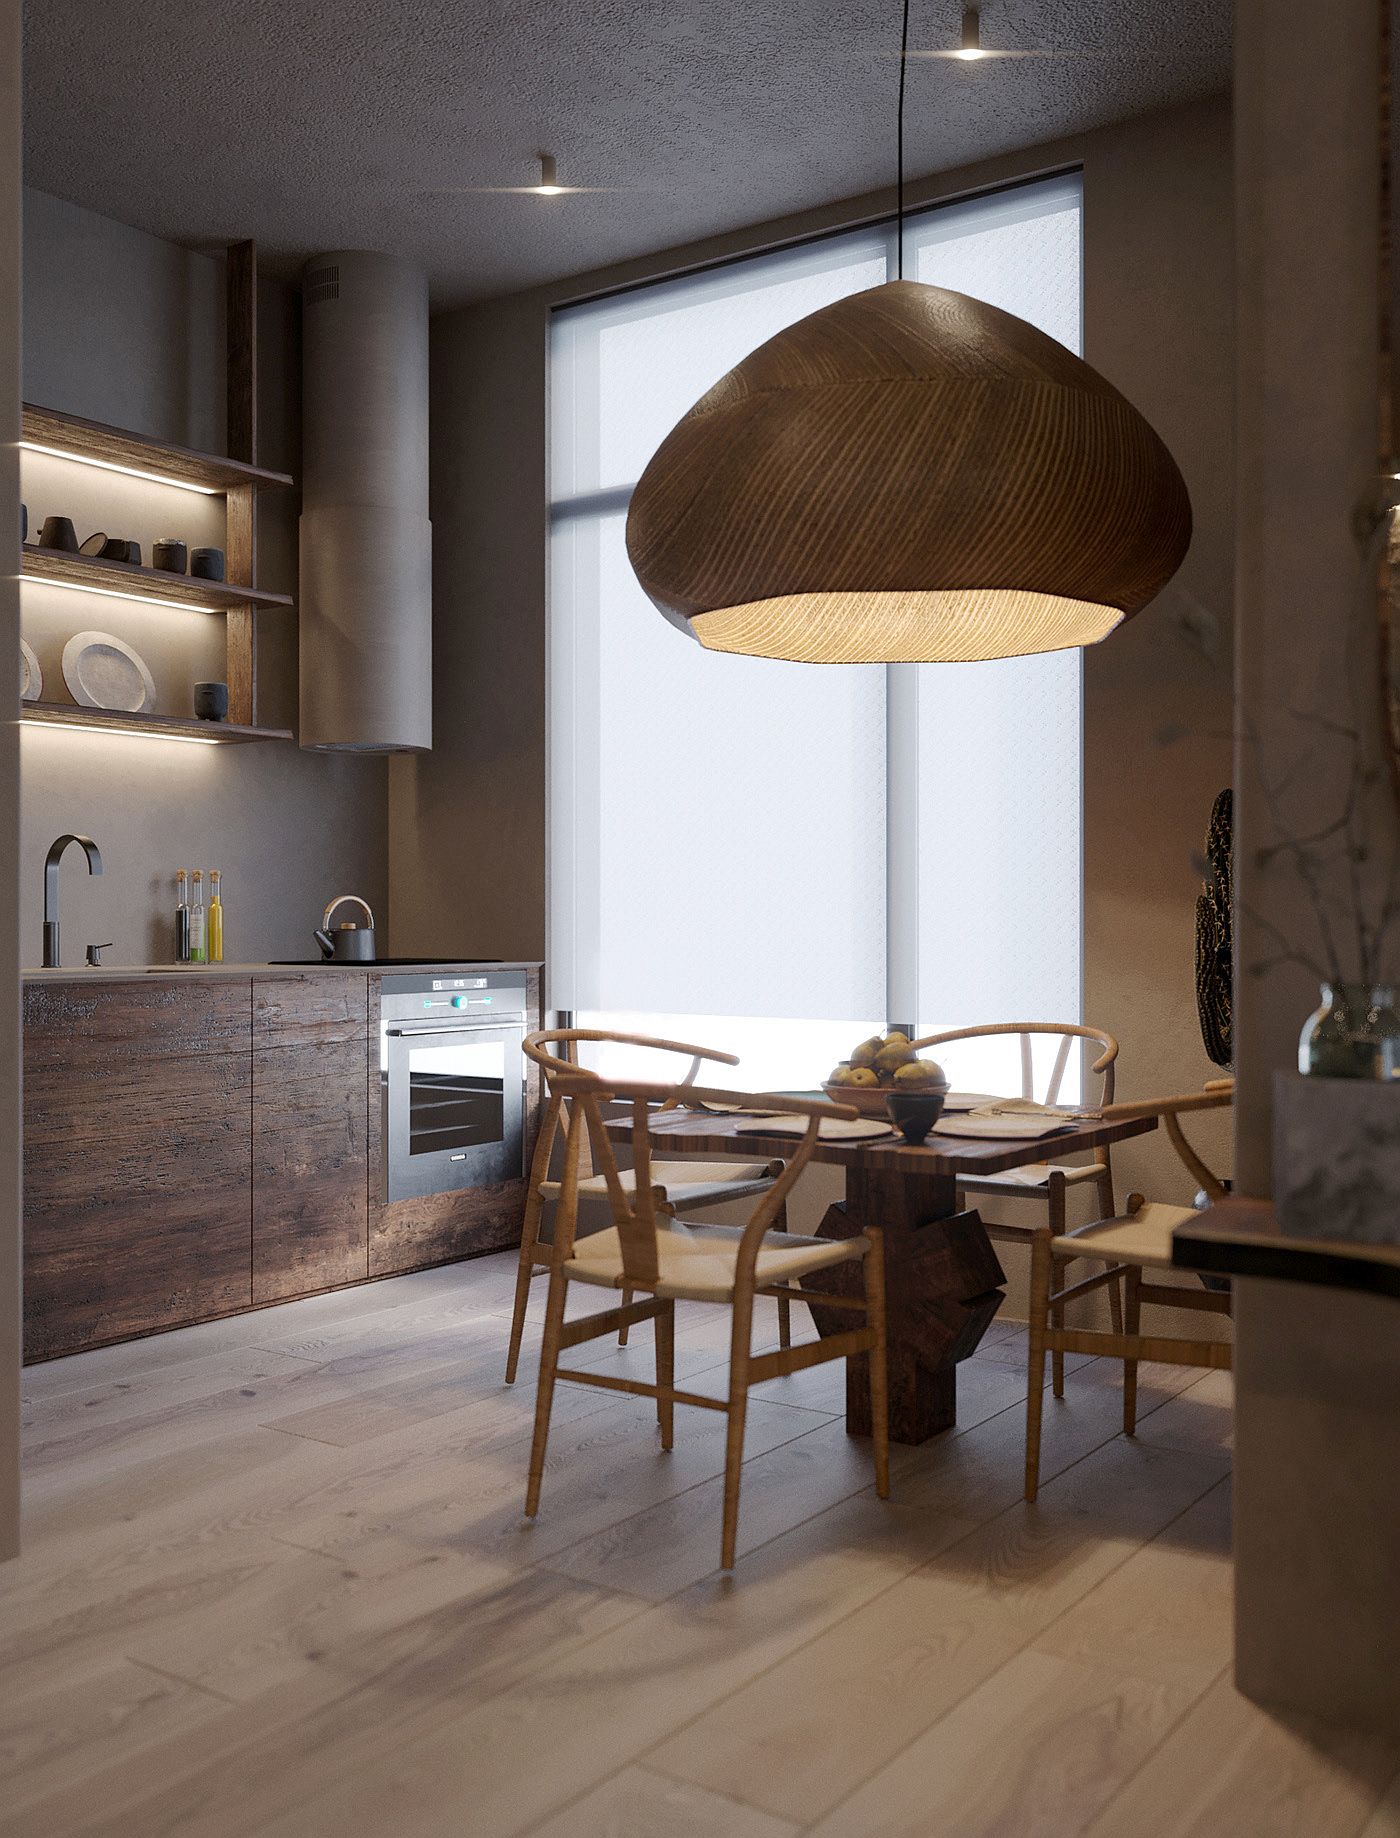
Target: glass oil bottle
[(198, 953), (182, 917), (215, 924)]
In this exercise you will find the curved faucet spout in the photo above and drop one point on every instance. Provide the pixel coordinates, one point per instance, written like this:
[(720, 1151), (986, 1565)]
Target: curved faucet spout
[(51, 861)]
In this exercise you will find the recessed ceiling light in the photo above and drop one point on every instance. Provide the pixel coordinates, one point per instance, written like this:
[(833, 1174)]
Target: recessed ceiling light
[(971, 47), (549, 186)]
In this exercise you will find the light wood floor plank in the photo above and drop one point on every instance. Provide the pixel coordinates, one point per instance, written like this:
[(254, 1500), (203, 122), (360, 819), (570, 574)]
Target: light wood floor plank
[(910, 1657), (637, 1802), (1036, 1750), (1232, 1767), (676, 1543), (278, 1585)]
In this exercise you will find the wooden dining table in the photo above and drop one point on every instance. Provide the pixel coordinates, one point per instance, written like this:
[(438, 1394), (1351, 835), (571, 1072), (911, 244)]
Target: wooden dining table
[(942, 1277)]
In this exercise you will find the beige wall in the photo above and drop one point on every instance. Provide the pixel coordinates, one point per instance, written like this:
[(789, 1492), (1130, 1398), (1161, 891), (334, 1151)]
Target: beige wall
[(1158, 322), (9, 779), (1308, 393), (125, 328)]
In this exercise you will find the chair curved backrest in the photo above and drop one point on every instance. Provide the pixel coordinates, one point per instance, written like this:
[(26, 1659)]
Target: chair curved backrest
[(1216, 1095), (562, 1064), (637, 1214), (1067, 1032), (565, 1062)]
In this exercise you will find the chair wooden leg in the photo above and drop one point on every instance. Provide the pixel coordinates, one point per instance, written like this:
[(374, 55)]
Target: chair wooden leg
[(780, 1224), (740, 1346), (879, 1379), (544, 1395), (1058, 1267), (627, 1296), (1057, 1271), (665, 1325), (1041, 1265), (1115, 1305), (1132, 1318), (1104, 1187), (525, 1270), (530, 1234)]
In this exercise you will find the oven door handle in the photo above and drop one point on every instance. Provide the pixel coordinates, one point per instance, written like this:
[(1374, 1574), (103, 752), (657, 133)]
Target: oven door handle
[(445, 1030)]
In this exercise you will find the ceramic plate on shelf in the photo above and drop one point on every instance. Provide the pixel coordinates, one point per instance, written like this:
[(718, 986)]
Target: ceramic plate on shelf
[(31, 677), (102, 672)]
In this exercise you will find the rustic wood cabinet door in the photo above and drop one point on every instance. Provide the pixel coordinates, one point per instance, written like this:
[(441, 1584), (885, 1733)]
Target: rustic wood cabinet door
[(137, 1110), (310, 1092)]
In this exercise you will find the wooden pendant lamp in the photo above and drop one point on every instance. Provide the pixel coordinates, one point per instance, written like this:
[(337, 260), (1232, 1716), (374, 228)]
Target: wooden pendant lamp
[(908, 475)]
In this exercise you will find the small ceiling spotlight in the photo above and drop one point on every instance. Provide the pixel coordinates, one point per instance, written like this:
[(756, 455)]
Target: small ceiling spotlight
[(549, 186), (971, 47)]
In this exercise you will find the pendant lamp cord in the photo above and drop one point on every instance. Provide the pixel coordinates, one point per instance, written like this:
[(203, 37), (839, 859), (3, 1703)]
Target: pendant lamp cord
[(899, 144)]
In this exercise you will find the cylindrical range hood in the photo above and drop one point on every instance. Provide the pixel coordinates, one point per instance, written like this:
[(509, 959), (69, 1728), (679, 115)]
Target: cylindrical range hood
[(366, 543)]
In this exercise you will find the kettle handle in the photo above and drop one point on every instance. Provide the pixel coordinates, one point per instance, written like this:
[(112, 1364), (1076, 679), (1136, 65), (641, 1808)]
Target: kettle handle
[(326, 942), (354, 900)]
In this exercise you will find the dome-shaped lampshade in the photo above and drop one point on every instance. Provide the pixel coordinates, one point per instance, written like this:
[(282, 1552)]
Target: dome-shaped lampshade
[(908, 475)]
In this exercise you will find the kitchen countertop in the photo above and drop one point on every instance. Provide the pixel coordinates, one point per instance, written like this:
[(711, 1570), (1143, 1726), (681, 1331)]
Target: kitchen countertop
[(126, 973), (1241, 1237)]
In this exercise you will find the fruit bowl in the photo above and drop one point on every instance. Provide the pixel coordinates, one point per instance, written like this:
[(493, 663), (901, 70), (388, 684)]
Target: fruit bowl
[(869, 1100)]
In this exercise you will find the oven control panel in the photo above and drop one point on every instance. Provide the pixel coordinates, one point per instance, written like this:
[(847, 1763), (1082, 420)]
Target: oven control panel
[(480, 998)]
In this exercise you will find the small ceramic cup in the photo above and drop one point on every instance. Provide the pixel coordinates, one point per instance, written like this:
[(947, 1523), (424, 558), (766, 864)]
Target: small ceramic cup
[(121, 549), (58, 533), (170, 555), (211, 701), (207, 564), (914, 1113)]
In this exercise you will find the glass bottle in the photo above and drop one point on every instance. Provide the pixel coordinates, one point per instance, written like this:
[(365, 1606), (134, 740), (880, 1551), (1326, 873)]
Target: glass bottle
[(216, 919), (182, 917), (198, 954), (1354, 1034)]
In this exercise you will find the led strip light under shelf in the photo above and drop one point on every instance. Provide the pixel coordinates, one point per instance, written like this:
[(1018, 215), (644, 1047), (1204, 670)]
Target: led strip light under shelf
[(134, 472)]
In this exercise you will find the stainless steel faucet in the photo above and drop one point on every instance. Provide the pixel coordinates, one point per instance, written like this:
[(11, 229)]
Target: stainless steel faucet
[(52, 960)]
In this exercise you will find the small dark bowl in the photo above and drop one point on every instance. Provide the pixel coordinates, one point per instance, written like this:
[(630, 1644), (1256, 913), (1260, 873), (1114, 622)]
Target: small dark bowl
[(121, 549), (914, 1113), (211, 701), (58, 533), (207, 564)]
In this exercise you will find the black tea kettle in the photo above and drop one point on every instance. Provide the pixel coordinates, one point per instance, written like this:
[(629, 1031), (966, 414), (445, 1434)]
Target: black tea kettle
[(349, 943)]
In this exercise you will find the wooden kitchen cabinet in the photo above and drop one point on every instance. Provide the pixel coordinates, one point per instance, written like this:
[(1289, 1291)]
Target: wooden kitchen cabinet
[(309, 1124), (199, 1143), (137, 1100)]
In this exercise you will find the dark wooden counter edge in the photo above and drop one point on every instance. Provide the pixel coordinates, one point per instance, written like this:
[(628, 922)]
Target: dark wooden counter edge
[(1243, 1238)]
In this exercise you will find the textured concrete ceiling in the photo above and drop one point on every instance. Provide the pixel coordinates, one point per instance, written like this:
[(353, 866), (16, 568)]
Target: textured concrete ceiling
[(365, 123)]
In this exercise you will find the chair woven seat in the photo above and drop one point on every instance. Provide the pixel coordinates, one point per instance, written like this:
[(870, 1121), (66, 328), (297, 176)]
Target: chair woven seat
[(696, 1263), (1031, 1177), (687, 1184), (1143, 1237)]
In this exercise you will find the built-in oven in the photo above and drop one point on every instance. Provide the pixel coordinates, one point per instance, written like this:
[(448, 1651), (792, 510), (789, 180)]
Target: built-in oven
[(453, 1080)]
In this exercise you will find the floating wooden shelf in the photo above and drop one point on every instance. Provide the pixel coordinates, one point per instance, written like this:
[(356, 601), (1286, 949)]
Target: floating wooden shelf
[(67, 570), (172, 727), (91, 440)]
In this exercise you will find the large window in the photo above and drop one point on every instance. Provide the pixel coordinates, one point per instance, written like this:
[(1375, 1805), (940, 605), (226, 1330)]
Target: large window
[(771, 856)]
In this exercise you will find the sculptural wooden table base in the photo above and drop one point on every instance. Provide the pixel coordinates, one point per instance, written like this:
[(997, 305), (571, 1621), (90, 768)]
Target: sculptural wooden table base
[(943, 1283)]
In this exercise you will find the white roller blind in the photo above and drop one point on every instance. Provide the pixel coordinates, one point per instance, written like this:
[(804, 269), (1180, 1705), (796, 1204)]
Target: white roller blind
[(718, 825), (718, 822), (999, 744)]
